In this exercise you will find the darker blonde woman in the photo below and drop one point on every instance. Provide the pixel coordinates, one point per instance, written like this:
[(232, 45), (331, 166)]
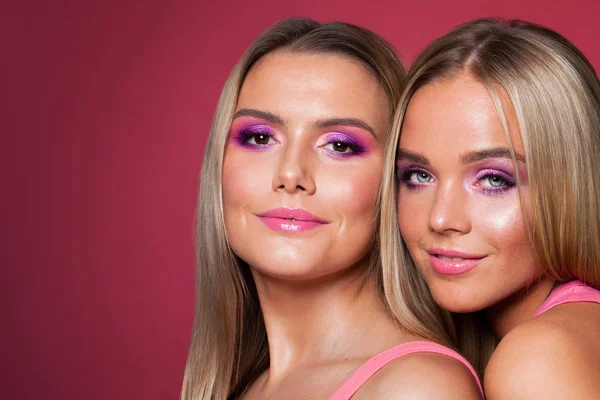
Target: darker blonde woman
[(290, 291)]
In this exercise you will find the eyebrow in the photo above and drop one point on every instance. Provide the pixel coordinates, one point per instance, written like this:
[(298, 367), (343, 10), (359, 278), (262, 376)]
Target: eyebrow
[(467, 158), (322, 123), (247, 112), (347, 122), (412, 156), (495, 152)]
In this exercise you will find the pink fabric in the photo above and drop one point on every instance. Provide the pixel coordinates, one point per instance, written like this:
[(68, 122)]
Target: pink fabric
[(380, 360), (569, 292)]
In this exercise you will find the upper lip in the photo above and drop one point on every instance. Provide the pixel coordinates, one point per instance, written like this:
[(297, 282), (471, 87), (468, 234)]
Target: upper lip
[(296, 214), (454, 254)]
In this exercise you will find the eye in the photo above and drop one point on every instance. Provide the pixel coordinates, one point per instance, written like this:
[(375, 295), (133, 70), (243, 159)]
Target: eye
[(260, 139), (414, 177), (420, 177), (340, 147), (493, 181)]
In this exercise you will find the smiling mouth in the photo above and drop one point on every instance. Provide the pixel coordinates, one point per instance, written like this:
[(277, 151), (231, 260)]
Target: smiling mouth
[(451, 258), (454, 255), (290, 224), (291, 220), (451, 262)]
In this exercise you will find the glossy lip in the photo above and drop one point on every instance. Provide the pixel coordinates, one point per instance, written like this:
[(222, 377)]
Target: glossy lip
[(453, 267), (290, 220)]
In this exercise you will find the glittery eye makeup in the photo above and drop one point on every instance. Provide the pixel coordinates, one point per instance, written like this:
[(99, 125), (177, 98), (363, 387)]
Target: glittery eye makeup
[(490, 181), (338, 144), (494, 181), (413, 176), (256, 136)]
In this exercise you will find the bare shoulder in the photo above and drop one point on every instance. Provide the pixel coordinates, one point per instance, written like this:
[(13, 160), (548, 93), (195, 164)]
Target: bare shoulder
[(421, 376), (554, 356)]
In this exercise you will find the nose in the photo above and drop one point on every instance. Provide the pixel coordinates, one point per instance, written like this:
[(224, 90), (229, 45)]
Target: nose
[(294, 173), (449, 212)]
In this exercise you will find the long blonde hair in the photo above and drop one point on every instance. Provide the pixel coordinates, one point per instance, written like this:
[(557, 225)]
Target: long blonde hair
[(229, 349), (555, 96)]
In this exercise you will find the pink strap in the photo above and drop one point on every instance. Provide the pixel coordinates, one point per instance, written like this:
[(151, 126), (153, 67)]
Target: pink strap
[(377, 362), (569, 292)]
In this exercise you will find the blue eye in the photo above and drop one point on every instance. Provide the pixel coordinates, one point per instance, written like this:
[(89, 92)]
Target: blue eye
[(494, 181), (420, 177), (414, 178)]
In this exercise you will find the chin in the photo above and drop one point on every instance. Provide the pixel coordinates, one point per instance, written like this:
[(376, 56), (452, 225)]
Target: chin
[(460, 308), (457, 299), (301, 268), (286, 263), (288, 270)]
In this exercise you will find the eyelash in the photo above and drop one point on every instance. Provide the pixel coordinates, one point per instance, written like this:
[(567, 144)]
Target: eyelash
[(507, 182), (405, 174), (246, 135), (355, 147)]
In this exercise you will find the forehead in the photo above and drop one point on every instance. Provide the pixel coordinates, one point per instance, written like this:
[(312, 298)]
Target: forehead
[(314, 85), (458, 114)]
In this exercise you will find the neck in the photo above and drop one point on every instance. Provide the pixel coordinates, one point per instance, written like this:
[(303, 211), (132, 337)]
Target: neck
[(519, 307), (323, 321)]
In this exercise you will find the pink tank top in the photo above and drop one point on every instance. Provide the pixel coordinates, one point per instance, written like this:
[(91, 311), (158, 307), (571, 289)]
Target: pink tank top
[(569, 292), (374, 364)]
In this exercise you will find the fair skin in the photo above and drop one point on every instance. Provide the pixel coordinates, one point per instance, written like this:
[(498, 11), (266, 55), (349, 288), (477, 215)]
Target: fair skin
[(308, 135), (461, 217)]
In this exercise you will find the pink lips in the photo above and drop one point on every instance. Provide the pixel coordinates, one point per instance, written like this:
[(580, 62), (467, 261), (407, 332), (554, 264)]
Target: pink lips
[(449, 262), (290, 220)]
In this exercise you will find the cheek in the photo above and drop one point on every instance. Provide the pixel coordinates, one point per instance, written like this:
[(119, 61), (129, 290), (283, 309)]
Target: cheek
[(501, 222), (353, 191), (243, 180), (502, 227), (412, 216)]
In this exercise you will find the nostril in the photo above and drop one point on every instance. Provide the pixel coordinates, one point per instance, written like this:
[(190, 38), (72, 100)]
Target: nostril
[(299, 181)]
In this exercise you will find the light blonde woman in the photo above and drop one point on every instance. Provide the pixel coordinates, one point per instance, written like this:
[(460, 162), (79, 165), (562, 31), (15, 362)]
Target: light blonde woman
[(290, 293), (492, 176)]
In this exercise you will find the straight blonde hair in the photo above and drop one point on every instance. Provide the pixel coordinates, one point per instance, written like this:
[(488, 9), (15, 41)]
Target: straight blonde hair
[(554, 94), (229, 348)]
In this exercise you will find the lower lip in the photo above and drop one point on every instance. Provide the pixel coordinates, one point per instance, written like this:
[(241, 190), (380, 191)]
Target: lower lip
[(288, 225), (453, 267)]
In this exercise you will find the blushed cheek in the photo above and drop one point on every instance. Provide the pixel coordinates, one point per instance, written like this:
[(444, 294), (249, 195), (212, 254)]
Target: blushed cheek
[(243, 184), (237, 187), (412, 221), (233, 185), (356, 194), (230, 198), (500, 222)]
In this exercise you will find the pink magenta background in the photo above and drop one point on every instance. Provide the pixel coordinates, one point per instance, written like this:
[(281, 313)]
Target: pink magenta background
[(106, 109)]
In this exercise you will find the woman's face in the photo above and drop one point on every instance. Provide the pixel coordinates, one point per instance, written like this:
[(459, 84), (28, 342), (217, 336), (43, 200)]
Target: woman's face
[(458, 209), (303, 165)]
